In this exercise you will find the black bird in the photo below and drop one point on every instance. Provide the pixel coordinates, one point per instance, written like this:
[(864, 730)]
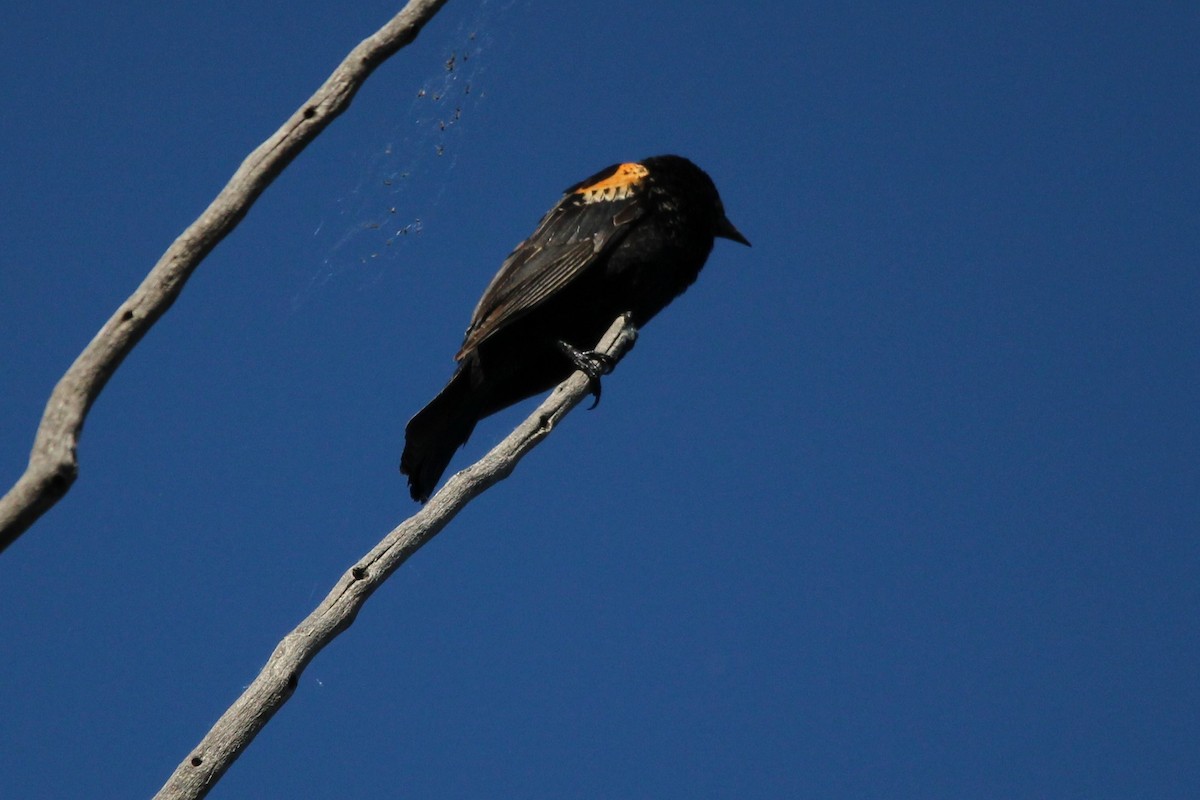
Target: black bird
[(630, 238)]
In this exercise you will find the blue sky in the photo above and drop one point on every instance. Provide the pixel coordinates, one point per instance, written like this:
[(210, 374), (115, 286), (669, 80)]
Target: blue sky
[(901, 502)]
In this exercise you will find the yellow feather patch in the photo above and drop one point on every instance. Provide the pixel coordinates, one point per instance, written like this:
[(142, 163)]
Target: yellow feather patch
[(617, 186)]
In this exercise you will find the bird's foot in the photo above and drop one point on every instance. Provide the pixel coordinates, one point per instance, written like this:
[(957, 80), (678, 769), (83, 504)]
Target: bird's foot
[(590, 363)]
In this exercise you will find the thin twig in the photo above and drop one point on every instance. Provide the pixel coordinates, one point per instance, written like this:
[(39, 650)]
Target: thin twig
[(52, 463), (278, 679)]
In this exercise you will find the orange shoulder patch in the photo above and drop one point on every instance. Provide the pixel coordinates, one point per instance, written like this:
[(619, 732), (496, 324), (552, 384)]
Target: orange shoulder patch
[(617, 186)]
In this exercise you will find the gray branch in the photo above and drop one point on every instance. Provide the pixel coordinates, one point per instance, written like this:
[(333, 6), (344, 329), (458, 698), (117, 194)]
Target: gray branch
[(279, 678), (52, 463)]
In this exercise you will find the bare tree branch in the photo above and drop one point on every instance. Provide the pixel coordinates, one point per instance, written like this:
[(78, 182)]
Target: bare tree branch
[(278, 679), (52, 463)]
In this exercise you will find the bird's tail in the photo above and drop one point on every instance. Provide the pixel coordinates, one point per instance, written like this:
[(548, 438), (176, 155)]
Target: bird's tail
[(435, 433)]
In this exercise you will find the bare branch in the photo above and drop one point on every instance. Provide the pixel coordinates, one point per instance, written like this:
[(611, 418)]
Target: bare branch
[(52, 463), (278, 679)]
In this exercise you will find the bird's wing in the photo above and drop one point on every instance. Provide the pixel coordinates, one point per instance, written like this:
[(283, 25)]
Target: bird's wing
[(592, 217)]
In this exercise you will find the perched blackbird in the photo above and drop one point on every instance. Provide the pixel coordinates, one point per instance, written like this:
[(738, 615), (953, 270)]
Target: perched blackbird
[(628, 239)]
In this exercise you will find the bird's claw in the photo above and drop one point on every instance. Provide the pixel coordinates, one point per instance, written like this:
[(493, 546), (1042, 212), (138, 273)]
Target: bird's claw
[(591, 363)]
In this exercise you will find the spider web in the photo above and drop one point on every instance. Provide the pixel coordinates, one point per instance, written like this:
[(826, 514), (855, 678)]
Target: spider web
[(401, 181)]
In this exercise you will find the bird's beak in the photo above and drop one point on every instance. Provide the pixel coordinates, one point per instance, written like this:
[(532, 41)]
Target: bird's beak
[(726, 230)]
